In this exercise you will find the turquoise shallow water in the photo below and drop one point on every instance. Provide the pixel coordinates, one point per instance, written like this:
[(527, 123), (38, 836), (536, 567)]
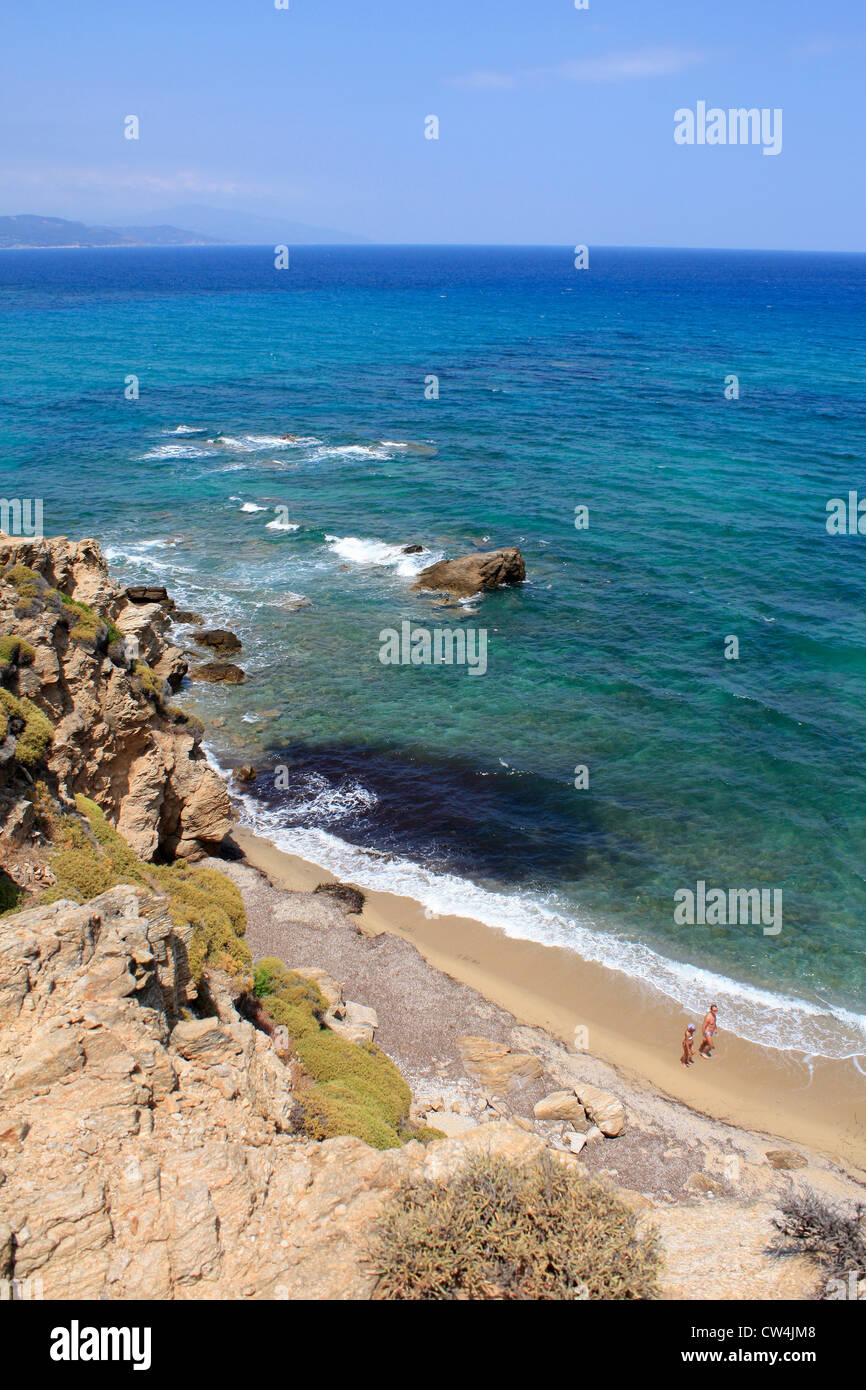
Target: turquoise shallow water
[(556, 388)]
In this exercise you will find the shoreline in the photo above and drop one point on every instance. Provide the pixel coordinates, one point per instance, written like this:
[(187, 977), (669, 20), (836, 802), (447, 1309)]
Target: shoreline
[(818, 1103)]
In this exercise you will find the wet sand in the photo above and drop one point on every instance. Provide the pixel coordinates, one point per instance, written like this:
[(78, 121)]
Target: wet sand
[(820, 1104)]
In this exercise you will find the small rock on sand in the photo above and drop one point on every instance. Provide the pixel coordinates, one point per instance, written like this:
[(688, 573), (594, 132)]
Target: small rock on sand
[(786, 1159)]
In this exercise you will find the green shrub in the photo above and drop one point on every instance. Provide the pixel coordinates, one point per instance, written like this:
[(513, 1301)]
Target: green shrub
[(190, 722), (297, 1020), (356, 1088), (93, 857), (14, 651), (351, 1078), (425, 1134), (151, 683), (328, 1113), (276, 979), (32, 731), (264, 980), (26, 580), (86, 621), (499, 1230), (11, 896), (208, 902)]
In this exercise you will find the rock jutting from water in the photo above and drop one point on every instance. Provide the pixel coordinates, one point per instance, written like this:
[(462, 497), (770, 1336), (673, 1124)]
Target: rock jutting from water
[(472, 574)]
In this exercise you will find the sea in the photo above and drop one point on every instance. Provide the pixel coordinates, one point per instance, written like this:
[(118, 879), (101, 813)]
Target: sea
[(676, 695)]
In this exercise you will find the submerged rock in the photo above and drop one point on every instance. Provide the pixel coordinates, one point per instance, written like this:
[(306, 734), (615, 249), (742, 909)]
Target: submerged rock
[(219, 638), (471, 574), (218, 671)]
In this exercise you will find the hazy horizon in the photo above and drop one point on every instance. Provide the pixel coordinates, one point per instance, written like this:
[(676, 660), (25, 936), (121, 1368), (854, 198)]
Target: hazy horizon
[(555, 125)]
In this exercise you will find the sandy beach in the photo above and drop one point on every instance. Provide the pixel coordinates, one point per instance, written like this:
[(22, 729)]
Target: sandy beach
[(819, 1104)]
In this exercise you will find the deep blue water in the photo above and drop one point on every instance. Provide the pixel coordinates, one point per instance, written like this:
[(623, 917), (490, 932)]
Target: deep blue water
[(557, 388)]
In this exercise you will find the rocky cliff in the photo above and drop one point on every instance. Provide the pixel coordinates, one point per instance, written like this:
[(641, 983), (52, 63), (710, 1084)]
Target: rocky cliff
[(100, 669), (145, 1153)]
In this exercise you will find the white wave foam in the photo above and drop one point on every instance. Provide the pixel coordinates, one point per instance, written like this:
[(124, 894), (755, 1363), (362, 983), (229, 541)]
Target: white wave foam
[(755, 1014), (372, 552), (279, 523), (140, 554), (252, 507), (315, 796), (187, 429), (256, 443), (351, 451), (164, 452)]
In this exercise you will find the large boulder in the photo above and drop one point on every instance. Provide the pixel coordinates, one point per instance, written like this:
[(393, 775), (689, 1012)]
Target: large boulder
[(472, 574), (603, 1108), (560, 1105), (358, 1024)]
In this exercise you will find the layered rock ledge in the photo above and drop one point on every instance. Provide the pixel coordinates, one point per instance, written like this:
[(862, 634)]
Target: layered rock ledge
[(102, 670)]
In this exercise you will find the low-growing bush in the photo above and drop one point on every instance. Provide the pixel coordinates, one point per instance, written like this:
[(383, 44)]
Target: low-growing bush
[(14, 651), (212, 905), (834, 1235), (182, 717), (11, 896), (27, 581), (354, 1088), (272, 977), (87, 623), (362, 1066), (31, 730), (297, 1020), (150, 682), (92, 857), (332, 1109), (499, 1230)]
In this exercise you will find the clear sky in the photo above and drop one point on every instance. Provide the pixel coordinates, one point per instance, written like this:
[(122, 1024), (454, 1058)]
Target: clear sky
[(556, 124)]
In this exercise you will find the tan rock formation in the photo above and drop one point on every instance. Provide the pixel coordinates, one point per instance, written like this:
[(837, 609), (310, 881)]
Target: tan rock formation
[(146, 1155), (115, 741), (472, 574), (603, 1108), (560, 1105), (494, 1064)]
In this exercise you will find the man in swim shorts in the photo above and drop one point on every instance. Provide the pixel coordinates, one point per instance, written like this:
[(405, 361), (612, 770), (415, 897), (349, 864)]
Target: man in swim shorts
[(708, 1029)]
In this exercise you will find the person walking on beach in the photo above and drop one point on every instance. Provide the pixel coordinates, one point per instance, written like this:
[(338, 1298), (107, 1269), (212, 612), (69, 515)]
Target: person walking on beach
[(709, 1027), (688, 1046)]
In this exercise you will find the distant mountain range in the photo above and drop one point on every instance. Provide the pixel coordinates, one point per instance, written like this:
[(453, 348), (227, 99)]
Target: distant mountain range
[(213, 227), (251, 229), (29, 230)]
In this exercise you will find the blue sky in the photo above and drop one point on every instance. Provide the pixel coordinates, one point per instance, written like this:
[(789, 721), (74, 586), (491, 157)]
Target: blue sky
[(556, 125)]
